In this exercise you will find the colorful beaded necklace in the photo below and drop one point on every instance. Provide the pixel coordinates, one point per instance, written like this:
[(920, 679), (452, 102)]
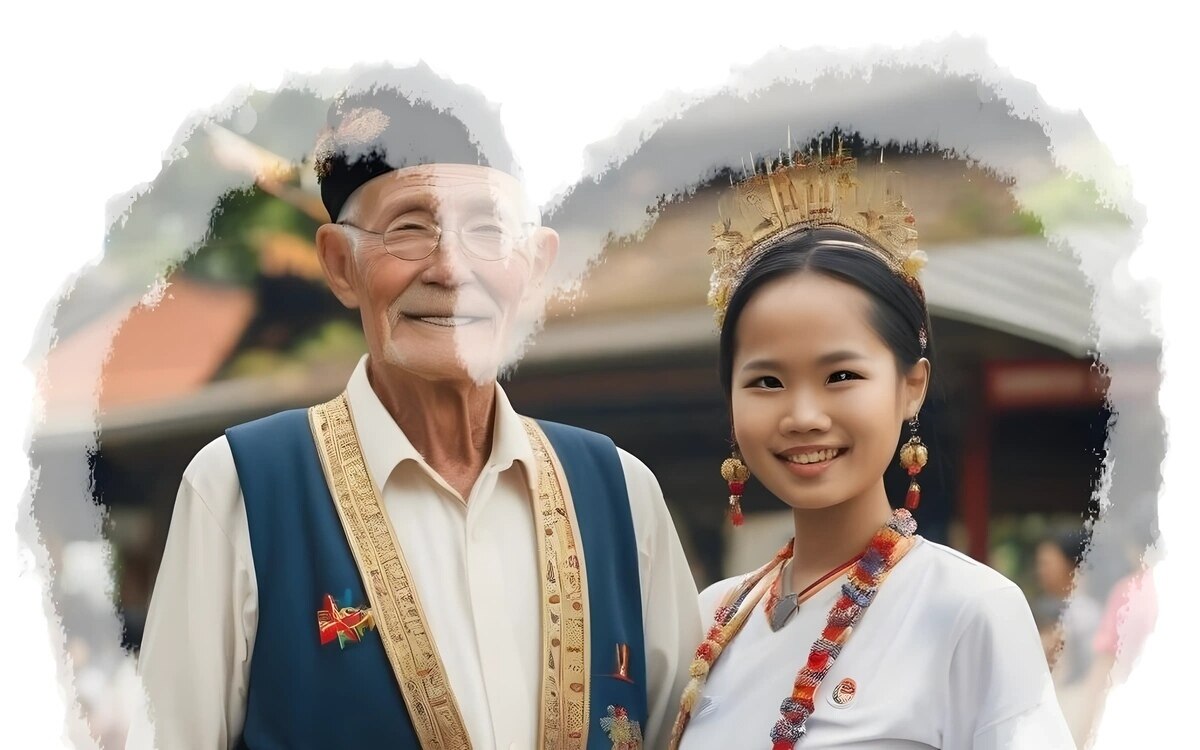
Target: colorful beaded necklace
[(885, 549), (780, 607)]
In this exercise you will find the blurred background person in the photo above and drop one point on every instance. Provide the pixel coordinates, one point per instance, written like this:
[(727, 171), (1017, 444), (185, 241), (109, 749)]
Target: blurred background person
[(1067, 613), (1127, 621)]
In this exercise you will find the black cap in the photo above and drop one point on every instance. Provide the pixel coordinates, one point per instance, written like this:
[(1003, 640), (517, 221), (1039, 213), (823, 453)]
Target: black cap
[(381, 129)]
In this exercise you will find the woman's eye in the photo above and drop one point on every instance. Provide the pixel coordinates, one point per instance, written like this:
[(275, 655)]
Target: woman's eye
[(841, 376), (767, 381)]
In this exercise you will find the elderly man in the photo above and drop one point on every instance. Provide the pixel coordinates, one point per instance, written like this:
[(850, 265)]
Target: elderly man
[(413, 564)]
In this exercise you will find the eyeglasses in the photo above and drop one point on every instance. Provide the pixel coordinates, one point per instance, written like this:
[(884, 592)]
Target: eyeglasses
[(483, 240)]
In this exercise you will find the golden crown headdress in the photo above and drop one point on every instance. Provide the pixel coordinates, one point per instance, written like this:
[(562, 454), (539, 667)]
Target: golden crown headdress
[(798, 192)]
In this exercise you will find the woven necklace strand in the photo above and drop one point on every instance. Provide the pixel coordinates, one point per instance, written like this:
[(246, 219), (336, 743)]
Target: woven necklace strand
[(780, 607), (885, 549)]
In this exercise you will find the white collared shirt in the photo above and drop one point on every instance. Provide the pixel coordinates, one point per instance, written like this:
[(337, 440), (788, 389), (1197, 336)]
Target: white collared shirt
[(947, 656), (469, 560)]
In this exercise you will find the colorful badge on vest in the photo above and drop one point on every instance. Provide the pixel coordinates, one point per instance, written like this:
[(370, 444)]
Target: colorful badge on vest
[(622, 732), (342, 624)]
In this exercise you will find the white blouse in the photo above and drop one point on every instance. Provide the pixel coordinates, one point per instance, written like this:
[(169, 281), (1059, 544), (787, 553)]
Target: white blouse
[(947, 656)]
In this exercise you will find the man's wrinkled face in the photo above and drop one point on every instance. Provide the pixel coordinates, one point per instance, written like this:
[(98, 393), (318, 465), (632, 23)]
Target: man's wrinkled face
[(448, 263)]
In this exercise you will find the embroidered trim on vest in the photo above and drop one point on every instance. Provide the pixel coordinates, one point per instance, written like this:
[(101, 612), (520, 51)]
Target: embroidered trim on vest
[(565, 646), (395, 605)]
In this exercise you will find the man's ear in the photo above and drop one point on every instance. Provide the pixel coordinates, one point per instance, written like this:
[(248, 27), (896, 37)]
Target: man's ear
[(336, 254), (545, 247)]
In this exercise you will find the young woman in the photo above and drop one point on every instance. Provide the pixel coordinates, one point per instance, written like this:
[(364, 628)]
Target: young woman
[(859, 633)]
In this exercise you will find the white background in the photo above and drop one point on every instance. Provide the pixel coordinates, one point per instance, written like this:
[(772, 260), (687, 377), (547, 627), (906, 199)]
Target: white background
[(94, 95)]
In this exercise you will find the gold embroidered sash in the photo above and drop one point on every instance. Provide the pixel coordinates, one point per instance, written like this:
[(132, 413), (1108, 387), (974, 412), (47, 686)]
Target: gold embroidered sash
[(567, 652), (396, 607)]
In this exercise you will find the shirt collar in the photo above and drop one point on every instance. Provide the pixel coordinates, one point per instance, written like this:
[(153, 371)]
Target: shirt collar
[(385, 446)]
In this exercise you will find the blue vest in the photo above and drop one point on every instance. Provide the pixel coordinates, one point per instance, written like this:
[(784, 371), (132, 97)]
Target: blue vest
[(302, 694)]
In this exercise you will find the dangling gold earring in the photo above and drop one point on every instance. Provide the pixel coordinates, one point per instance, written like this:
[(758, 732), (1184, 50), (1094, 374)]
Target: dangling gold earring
[(913, 457), (735, 472)]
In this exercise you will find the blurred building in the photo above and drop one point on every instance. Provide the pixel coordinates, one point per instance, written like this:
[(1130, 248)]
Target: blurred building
[(1016, 422)]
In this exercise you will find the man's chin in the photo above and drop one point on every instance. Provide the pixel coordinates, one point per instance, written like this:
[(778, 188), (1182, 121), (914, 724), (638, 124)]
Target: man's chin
[(427, 363)]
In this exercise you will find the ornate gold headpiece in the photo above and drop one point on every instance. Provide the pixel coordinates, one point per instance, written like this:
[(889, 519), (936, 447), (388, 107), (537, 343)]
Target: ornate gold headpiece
[(802, 192)]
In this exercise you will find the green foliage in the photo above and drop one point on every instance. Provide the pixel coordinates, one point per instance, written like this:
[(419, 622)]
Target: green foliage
[(259, 362), (1067, 199), (334, 340), (230, 255)]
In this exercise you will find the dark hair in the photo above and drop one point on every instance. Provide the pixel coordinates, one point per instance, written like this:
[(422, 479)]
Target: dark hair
[(1072, 545), (898, 313)]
